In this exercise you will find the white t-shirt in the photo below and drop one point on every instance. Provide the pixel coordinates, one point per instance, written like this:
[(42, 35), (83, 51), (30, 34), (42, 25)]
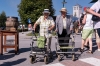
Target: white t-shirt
[(64, 22), (96, 8), (89, 22)]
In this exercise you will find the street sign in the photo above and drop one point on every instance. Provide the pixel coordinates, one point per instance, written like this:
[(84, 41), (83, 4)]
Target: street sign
[(29, 20)]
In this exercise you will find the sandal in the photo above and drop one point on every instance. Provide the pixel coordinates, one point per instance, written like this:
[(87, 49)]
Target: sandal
[(90, 51), (81, 50), (86, 46)]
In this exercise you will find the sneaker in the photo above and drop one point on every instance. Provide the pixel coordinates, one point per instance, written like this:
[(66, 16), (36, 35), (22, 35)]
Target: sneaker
[(98, 49)]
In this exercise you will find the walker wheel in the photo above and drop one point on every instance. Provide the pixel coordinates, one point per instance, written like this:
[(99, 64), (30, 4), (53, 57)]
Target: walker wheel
[(46, 60), (32, 59), (73, 57), (58, 57)]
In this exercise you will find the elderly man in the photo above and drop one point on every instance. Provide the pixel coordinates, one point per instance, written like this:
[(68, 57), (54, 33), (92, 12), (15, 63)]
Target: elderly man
[(64, 24), (93, 10), (46, 25)]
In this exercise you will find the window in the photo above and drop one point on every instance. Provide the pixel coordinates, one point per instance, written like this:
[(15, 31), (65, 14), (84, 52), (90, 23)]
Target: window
[(74, 8), (77, 8)]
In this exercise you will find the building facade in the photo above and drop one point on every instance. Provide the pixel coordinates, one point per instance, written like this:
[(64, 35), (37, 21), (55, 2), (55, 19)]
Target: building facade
[(77, 10)]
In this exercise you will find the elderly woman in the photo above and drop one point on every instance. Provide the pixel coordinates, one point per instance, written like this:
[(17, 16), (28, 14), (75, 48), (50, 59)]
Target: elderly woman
[(46, 25)]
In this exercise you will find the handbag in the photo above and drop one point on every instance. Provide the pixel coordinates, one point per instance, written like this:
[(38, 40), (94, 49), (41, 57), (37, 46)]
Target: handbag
[(96, 18), (98, 31), (41, 42)]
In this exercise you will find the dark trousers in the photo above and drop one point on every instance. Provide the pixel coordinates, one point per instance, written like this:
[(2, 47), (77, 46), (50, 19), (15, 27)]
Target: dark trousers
[(65, 35)]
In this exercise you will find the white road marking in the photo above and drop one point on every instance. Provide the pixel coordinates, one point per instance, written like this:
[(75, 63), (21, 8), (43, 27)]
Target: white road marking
[(92, 61), (56, 64)]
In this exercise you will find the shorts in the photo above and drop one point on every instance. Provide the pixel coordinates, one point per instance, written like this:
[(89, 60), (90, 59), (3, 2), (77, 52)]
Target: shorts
[(87, 33)]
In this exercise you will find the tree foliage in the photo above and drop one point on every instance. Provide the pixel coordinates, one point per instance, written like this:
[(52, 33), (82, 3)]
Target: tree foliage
[(2, 19), (33, 9)]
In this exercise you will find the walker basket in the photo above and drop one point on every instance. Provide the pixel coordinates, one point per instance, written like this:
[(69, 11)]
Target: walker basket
[(41, 41)]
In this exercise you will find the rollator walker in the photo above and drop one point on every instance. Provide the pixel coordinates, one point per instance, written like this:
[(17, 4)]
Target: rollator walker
[(39, 50), (62, 48)]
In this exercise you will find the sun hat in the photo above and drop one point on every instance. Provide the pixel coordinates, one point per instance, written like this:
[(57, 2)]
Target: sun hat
[(46, 11), (63, 10)]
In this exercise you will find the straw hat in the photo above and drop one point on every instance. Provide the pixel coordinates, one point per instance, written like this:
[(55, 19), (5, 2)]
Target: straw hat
[(63, 10), (46, 11)]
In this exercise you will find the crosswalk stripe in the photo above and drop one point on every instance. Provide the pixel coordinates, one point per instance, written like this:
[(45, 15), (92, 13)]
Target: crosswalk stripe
[(55, 64), (93, 61)]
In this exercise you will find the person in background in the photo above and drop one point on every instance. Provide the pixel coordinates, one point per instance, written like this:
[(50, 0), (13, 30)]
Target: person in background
[(81, 28), (47, 24), (94, 10), (76, 26), (87, 31), (81, 19)]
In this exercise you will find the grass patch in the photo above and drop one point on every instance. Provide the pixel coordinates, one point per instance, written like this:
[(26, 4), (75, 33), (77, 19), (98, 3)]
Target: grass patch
[(30, 34)]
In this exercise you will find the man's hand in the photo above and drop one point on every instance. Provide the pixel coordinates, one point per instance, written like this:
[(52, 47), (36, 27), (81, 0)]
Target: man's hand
[(49, 29)]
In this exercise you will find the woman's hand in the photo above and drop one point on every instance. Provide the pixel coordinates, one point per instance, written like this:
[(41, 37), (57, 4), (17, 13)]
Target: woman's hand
[(83, 23)]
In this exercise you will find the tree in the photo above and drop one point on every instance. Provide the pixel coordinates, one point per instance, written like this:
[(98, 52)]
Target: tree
[(2, 19), (33, 9)]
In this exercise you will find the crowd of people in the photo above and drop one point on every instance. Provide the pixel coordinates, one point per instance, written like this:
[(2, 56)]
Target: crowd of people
[(65, 25)]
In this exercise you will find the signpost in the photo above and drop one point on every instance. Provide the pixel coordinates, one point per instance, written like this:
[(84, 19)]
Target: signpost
[(64, 3), (29, 24)]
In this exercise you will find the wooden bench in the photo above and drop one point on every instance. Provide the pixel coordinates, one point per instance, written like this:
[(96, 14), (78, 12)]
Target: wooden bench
[(3, 38)]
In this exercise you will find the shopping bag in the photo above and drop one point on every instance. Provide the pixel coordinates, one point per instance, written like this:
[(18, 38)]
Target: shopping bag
[(41, 41)]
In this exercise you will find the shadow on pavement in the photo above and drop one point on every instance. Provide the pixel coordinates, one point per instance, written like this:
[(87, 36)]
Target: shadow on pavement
[(21, 50), (11, 53), (12, 63), (4, 57)]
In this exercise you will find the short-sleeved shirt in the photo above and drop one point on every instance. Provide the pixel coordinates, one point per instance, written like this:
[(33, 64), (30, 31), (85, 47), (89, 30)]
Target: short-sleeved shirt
[(44, 25), (96, 8)]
